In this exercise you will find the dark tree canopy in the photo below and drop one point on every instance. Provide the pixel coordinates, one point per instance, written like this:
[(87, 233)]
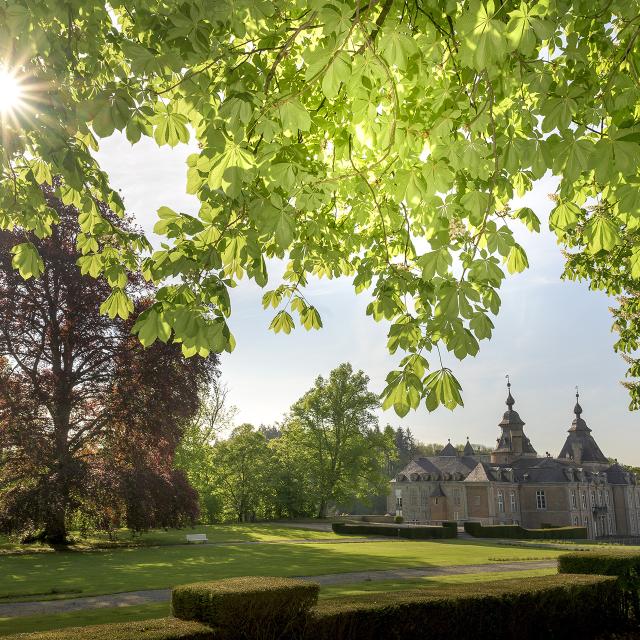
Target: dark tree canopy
[(89, 420)]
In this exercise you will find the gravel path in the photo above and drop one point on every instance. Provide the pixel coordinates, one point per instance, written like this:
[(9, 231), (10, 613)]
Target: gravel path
[(49, 607)]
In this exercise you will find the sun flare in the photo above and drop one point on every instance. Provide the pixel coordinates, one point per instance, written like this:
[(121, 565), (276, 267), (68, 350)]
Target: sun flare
[(11, 91)]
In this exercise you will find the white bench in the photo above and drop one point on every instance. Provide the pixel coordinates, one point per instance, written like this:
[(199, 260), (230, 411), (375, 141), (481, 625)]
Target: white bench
[(197, 537)]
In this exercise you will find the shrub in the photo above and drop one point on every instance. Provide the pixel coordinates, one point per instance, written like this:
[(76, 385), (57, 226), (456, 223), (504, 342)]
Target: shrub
[(515, 531), (548, 607), (259, 608), (159, 629), (624, 565), (411, 533), (398, 519)]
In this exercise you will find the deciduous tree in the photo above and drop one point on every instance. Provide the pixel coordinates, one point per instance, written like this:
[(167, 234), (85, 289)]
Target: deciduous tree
[(89, 420), (333, 431)]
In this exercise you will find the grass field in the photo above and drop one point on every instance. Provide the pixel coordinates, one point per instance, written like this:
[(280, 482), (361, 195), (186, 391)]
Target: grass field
[(264, 532), (146, 612), (70, 574)]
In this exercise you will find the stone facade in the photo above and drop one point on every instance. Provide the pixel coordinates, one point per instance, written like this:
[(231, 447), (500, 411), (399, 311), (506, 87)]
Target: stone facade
[(514, 485)]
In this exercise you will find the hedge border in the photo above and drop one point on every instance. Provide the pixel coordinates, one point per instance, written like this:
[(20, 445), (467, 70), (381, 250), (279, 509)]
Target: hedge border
[(448, 530), (515, 531)]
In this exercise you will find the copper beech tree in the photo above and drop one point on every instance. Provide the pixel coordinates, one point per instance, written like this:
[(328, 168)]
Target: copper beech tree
[(89, 419)]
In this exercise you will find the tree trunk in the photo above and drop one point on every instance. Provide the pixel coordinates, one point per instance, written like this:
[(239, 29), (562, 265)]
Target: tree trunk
[(55, 528), (322, 509)]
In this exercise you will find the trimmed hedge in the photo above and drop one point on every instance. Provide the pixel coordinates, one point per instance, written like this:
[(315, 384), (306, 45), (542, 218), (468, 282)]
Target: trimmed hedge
[(624, 565), (548, 607), (260, 608), (159, 629), (411, 533), (515, 531)]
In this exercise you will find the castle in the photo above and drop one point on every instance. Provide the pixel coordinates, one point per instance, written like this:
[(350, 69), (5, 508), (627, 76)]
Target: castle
[(514, 485)]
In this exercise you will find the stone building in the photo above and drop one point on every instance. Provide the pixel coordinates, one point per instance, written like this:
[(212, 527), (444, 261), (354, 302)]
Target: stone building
[(515, 485)]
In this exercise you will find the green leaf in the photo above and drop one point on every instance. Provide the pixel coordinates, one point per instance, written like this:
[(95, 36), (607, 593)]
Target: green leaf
[(117, 304), (517, 260), (171, 129), (397, 48), (602, 234), (90, 264), (294, 117), (481, 325), (442, 389), (529, 218), (151, 326), (27, 260), (435, 262), (564, 216), (338, 73), (310, 318), (282, 322)]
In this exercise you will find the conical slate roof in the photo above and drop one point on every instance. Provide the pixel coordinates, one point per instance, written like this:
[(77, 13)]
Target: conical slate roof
[(468, 449), (580, 443), (449, 450)]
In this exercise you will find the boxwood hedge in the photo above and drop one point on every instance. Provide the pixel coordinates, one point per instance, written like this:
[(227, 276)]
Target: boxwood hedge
[(624, 565), (515, 531), (158, 629), (548, 607), (259, 608), (447, 530)]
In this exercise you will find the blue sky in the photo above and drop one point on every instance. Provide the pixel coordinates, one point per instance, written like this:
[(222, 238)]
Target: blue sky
[(550, 335)]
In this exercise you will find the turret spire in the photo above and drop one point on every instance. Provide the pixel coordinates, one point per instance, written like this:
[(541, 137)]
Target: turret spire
[(510, 401), (577, 409)]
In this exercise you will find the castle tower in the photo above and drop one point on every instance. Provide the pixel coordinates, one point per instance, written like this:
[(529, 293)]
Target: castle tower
[(580, 445), (512, 443)]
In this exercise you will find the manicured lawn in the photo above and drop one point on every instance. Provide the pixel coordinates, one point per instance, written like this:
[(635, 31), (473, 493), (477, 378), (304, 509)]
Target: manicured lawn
[(146, 612), (384, 586), (82, 618), (215, 533), (70, 574)]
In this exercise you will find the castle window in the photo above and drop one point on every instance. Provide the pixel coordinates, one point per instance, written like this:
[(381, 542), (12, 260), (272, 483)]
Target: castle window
[(541, 500), (456, 498), (606, 498), (501, 501), (514, 504), (584, 499), (476, 501), (575, 521), (593, 499), (599, 497), (574, 503)]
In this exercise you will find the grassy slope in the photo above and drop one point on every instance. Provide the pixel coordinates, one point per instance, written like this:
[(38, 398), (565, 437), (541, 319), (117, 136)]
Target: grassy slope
[(215, 533), (89, 573), (146, 612)]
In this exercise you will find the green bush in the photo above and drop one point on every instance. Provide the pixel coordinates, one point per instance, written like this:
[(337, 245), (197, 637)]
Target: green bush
[(549, 607), (411, 533), (159, 629), (258, 608), (624, 565), (398, 519), (516, 532)]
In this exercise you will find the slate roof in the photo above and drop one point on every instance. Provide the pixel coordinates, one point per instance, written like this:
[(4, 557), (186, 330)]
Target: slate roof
[(468, 449), (618, 475), (580, 439), (438, 466), (449, 450)]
